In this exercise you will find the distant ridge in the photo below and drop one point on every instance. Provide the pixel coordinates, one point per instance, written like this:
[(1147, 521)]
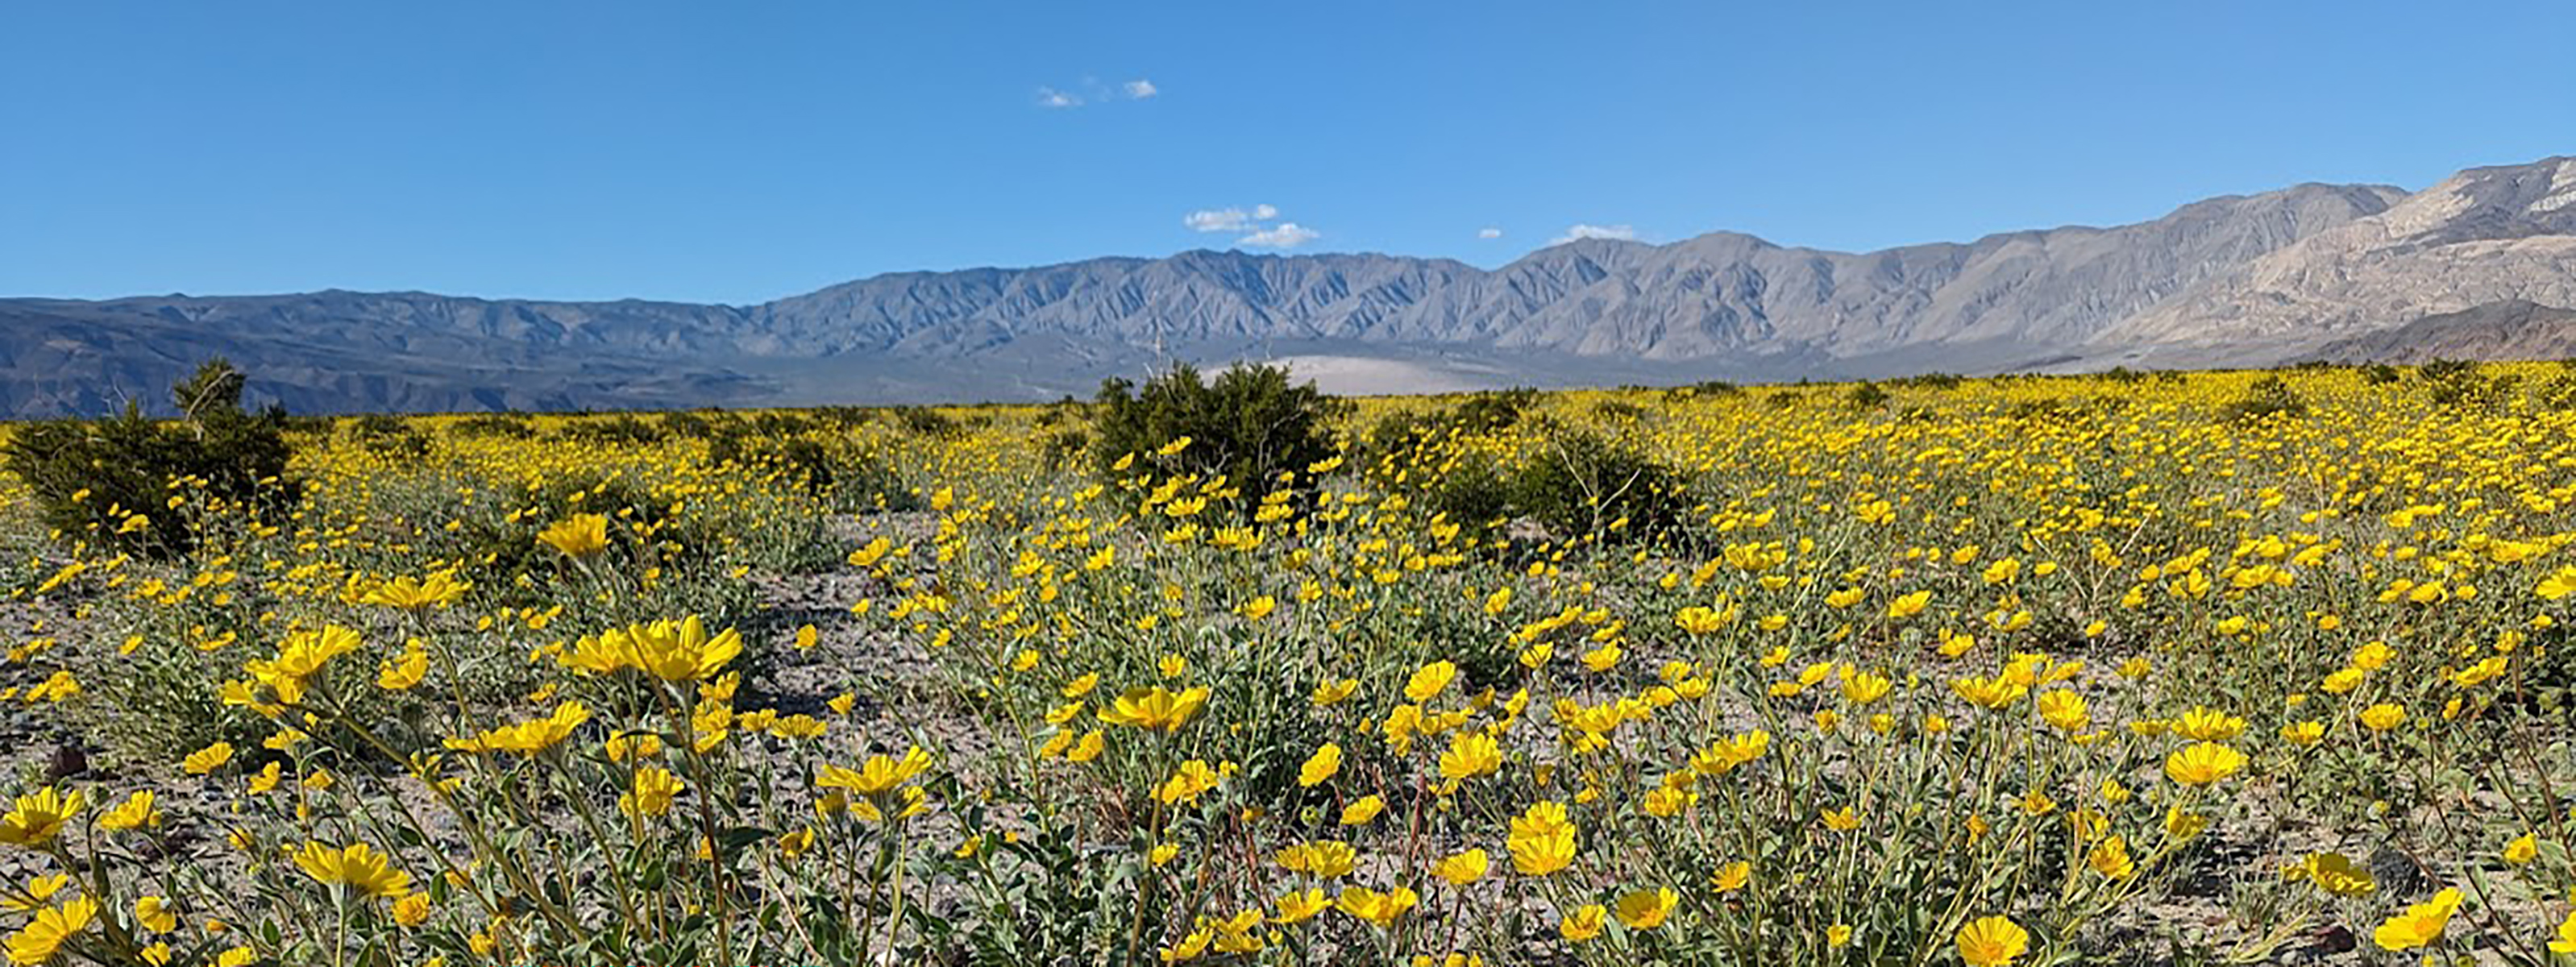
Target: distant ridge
[(2238, 279)]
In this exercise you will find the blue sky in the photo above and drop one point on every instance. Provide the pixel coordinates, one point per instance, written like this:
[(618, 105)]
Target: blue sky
[(737, 152)]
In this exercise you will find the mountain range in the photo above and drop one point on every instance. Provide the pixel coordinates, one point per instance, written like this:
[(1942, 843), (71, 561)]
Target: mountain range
[(2483, 263)]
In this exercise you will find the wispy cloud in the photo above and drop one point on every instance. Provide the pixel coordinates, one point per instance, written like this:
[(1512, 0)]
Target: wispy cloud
[(1489, 232), (1282, 235), (1624, 233), (1228, 219), (1092, 91)]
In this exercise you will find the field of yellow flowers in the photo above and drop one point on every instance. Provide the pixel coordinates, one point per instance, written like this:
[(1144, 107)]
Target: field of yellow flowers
[(2008, 671)]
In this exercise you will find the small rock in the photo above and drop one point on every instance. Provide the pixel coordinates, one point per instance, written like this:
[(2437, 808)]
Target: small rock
[(68, 761)]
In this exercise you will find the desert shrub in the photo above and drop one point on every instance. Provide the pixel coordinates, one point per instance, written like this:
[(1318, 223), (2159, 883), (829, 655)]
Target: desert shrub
[(106, 479), (388, 435), (1866, 396), (805, 463), (1580, 485), (620, 429), (2269, 397), (2465, 388), (1472, 494), (2441, 371), (507, 426), (1782, 400), (1619, 411), (1063, 448), (1250, 424), (1932, 381), (2559, 392), (1486, 412), (2380, 374), (922, 421), (1493, 410)]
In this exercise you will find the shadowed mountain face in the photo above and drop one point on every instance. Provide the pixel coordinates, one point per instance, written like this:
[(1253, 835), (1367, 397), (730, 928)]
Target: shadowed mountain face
[(2246, 278)]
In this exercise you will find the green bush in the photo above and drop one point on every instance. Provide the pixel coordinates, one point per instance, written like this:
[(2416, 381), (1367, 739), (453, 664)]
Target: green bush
[(1249, 424), (1580, 484), (1866, 396), (388, 435), (2379, 374), (513, 426), (2268, 397), (87, 476), (621, 429), (2441, 371), (922, 421)]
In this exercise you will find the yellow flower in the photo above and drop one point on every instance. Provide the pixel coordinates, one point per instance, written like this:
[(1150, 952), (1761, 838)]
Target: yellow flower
[(1185, 786), (1992, 693), (1321, 766), (2202, 763), (2111, 859), (38, 817), (136, 812), (879, 775), (1155, 708), (2566, 942), (154, 914), (651, 793), (413, 910), (1333, 692), (1863, 688), (2383, 716), (45, 934), (1908, 606), (38, 892), (1430, 681), (300, 658), (1541, 840), (580, 535), (1363, 809), (1646, 909), (530, 737), (1300, 907), (1991, 941), (2064, 710), (673, 651), (1583, 924), (2522, 850), (358, 866), (1327, 858), (409, 593), (2335, 874), (1463, 868), (1381, 910), (2421, 924), (2209, 725), (1470, 754), (399, 674), (1731, 877)]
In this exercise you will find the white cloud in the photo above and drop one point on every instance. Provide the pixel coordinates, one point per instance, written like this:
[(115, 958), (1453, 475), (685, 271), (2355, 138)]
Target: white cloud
[(1226, 219), (1050, 97), (1489, 232), (1141, 89), (1284, 235), (1624, 233)]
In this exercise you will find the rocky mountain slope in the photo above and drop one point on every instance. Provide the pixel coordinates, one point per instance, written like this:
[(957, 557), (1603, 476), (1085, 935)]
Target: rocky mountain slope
[(2255, 278)]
